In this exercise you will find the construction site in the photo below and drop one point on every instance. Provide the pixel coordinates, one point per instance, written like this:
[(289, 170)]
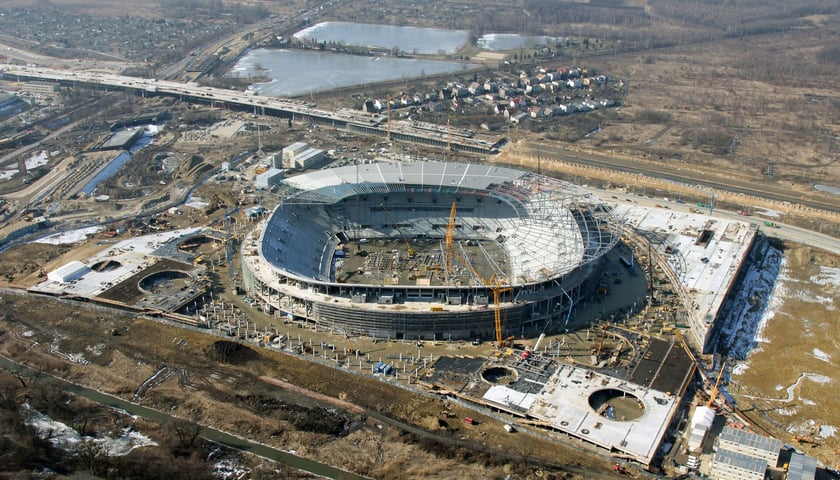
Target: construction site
[(569, 356), (402, 307)]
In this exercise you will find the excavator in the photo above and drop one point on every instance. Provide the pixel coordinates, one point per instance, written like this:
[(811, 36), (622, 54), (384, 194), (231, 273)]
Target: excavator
[(804, 439), (351, 350)]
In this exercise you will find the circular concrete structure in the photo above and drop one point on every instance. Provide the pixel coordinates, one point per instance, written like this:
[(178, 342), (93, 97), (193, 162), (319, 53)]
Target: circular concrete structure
[(616, 404), (421, 250), (499, 374), (166, 282), (105, 266)]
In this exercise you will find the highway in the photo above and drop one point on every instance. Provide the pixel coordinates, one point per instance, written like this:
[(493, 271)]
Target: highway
[(784, 232), (681, 173), (353, 120)]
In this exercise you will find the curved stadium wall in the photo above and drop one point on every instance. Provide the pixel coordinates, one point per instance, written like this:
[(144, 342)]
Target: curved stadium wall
[(539, 242)]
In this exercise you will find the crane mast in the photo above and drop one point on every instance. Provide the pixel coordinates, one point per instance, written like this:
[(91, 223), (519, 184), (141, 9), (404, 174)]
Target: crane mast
[(450, 232), (397, 227), (496, 284)]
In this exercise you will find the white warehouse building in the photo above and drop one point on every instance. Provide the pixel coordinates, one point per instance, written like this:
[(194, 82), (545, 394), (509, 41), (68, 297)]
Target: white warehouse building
[(300, 156), (68, 272)]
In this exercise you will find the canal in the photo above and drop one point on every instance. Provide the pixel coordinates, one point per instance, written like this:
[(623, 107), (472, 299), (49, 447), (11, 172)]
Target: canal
[(207, 433)]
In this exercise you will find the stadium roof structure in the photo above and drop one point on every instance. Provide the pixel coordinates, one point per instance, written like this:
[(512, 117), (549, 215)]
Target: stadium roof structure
[(547, 227)]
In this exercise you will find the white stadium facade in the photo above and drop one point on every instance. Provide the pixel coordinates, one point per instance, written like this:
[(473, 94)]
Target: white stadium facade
[(459, 245)]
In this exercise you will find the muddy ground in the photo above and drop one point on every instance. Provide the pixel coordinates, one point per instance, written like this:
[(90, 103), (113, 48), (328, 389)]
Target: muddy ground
[(213, 385)]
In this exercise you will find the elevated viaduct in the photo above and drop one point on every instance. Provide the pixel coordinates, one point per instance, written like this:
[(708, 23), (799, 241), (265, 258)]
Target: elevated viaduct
[(345, 119)]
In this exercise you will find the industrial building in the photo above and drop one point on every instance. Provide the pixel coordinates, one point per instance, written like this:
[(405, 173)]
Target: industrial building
[(153, 273), (428, 250), (729, 465), (801, 467), (68, 272), (752, 444), (269, 178), (300, 156), (121, 139), (704, 257), (40, 88), (699, 427)]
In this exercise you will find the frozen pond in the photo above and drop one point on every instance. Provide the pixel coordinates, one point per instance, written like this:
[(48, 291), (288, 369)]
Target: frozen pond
[(512, 41), (297, 72), (411, 40)]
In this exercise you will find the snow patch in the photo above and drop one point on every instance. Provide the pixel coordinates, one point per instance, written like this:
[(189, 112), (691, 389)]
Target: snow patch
[(130, 439), (818, 378), (67, 438), (228, 469), (36, 160), (821, 355), (71, 236), (767, 212), (827, 431), (753, 304), (196, 202), (59, 434), (805, 401), (786, 412), (740, 368), (8, 174), (827, 276)]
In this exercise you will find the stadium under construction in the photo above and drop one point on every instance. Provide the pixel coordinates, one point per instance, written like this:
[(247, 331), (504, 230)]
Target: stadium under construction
[(428, 250)]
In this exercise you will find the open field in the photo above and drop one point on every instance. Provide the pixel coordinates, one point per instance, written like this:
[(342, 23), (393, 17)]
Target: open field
[(720, 105), (789, 381), (229, 396)]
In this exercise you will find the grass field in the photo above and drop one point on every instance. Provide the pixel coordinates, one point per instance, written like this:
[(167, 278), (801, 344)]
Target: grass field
[(789, 381)]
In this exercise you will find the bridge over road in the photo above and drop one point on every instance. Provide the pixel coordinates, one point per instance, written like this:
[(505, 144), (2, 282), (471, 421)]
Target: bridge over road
[(352, 120)]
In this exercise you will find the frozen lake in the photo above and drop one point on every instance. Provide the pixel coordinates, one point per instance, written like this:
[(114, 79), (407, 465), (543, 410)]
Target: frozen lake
[(513, 41), (411, 40), (298, 72)]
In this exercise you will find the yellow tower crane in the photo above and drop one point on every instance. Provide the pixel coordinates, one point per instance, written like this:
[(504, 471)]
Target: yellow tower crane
[(497, 285), (450, 233)]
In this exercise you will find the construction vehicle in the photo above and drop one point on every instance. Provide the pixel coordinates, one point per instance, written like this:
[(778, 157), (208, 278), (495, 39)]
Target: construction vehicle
[(804, 439), (350, 349), (408, 247), (621, 469)]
